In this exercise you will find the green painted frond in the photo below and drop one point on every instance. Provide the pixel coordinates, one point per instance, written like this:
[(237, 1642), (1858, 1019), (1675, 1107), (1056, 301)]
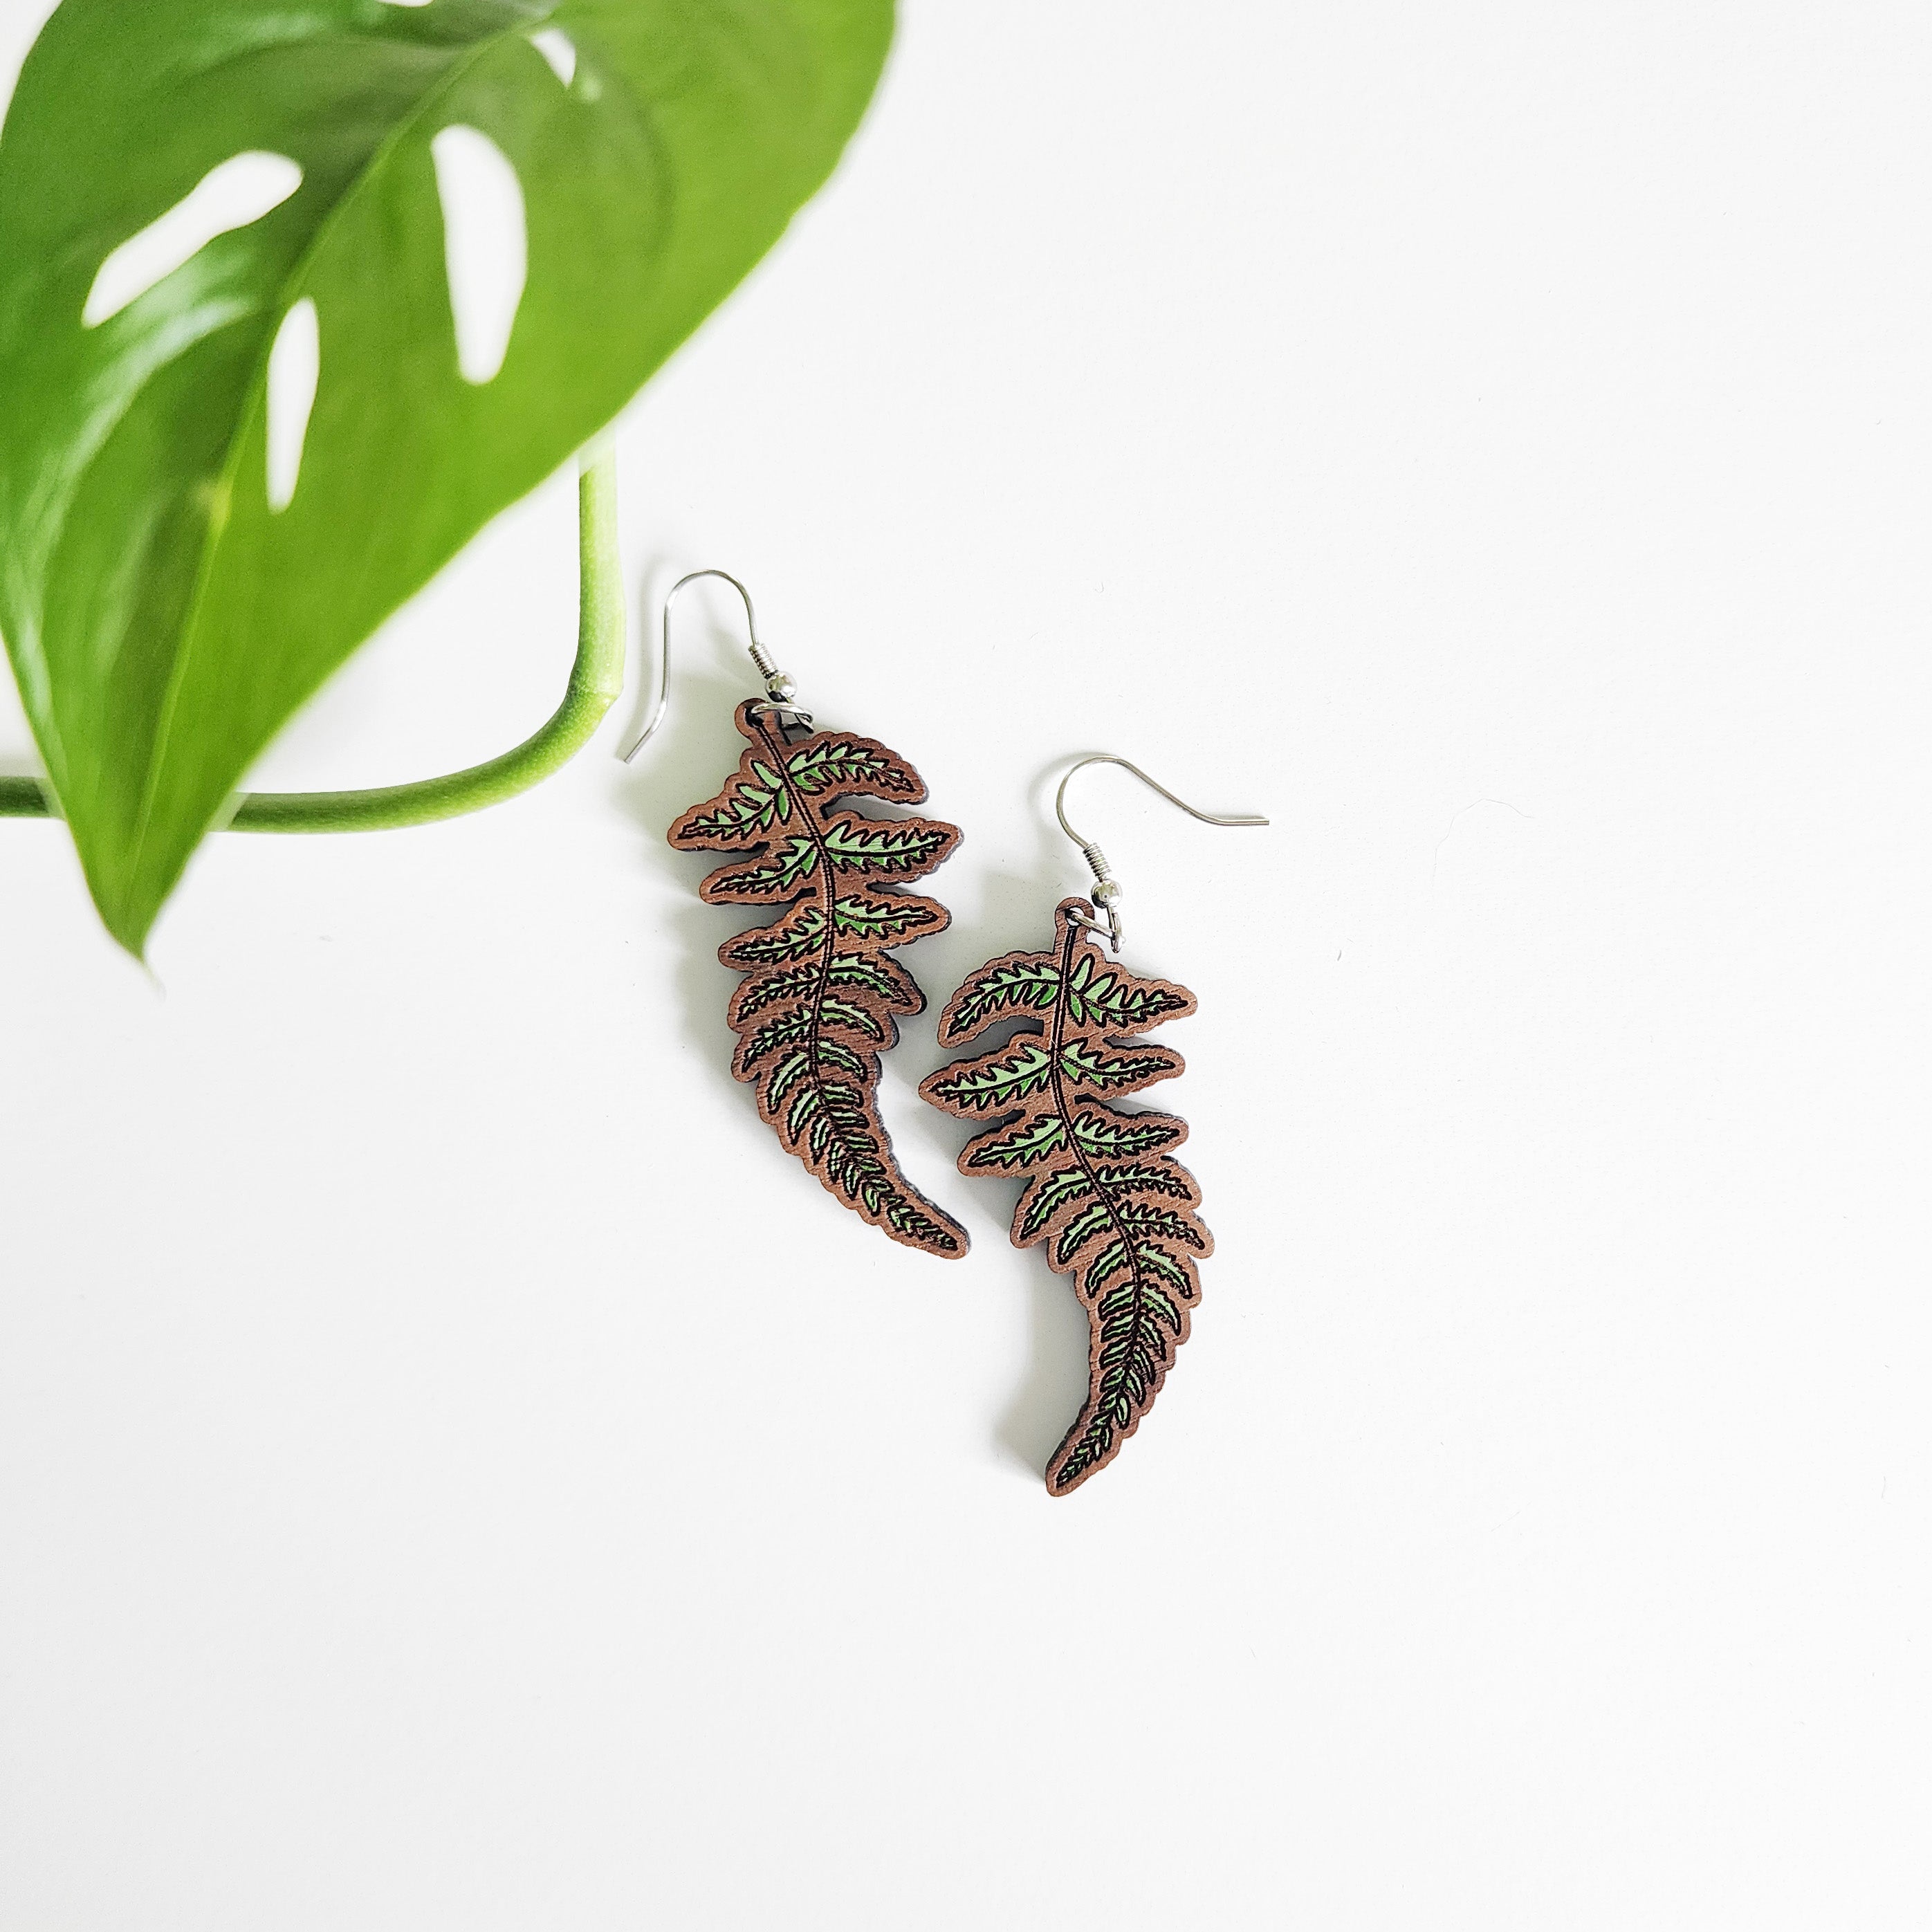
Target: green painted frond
[(822, 995), (1031, 1141), (1025, 982), (1115, 1213), (828, 766), (1042, 1202), (1084, 1064), (897, 847), (1103, 1133), (889, 919), (1001, 1080), (745, 813), (776, 876)]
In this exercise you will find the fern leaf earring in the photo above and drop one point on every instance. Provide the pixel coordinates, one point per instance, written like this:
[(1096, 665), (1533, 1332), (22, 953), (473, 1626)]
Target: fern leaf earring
[(822, 993), (1114, 1209)]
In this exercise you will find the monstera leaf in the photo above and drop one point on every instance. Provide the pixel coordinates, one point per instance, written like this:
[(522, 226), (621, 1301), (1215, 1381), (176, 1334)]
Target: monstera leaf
[(179, 570), (1113, 1208)]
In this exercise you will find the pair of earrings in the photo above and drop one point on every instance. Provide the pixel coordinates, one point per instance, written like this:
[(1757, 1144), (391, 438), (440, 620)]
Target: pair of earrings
[(821, 1001)]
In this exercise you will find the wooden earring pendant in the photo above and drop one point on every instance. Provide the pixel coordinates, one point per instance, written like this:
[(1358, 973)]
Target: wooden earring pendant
[(822, 993), (1102, 1192)]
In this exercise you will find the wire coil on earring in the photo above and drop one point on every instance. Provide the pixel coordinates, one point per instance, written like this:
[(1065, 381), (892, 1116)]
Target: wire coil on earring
[(1108, 890), (779, 688)]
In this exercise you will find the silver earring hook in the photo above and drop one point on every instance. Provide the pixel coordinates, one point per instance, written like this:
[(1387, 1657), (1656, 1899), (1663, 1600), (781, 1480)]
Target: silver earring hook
[(779, 689), (1107, 889)]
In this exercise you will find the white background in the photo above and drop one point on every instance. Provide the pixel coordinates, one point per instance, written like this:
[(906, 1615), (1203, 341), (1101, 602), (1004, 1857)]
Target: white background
[(456, 1471)]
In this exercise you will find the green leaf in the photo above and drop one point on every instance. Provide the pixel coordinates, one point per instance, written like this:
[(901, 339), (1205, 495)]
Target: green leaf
[(746, 811), (1149, 1177), (1021, 1146), (1102, 1134), (785, 867), (807, 1103), (1156, 1259), (790, 983), (163, 619), (903, 846), (818, 1004), (1002, 1081), (1083, 1226), (1051, 1194), (1132, 1354), (858, 915), (1116, 1073), (795, 937), (825, 763), (786, 1075), (904, 1214), (785, 1031), (835, 1053), (1121, 1213), (1145, 1220), (876, 972), (846, 1013), (1028, 983), (1109, 996)]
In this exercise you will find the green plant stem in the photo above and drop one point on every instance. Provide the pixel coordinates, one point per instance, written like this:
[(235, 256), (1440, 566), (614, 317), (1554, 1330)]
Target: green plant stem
[(596, 680)]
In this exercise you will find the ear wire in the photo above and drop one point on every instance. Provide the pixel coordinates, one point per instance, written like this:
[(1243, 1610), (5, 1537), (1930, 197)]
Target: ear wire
[(779, 688), (1108, 890)]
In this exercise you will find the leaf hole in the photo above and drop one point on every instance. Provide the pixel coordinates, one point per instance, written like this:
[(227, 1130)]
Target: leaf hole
[(560, 50), (295, 368), (237, 193), (486, 246)]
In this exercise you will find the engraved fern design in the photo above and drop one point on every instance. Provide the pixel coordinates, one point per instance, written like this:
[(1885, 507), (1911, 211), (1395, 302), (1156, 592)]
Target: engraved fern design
[(821, 995), (1114, 1208)]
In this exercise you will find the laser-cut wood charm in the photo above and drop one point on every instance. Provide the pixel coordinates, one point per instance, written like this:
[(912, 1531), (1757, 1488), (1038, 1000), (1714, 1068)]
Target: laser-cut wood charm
[(1114, 1210), (822, 993)]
